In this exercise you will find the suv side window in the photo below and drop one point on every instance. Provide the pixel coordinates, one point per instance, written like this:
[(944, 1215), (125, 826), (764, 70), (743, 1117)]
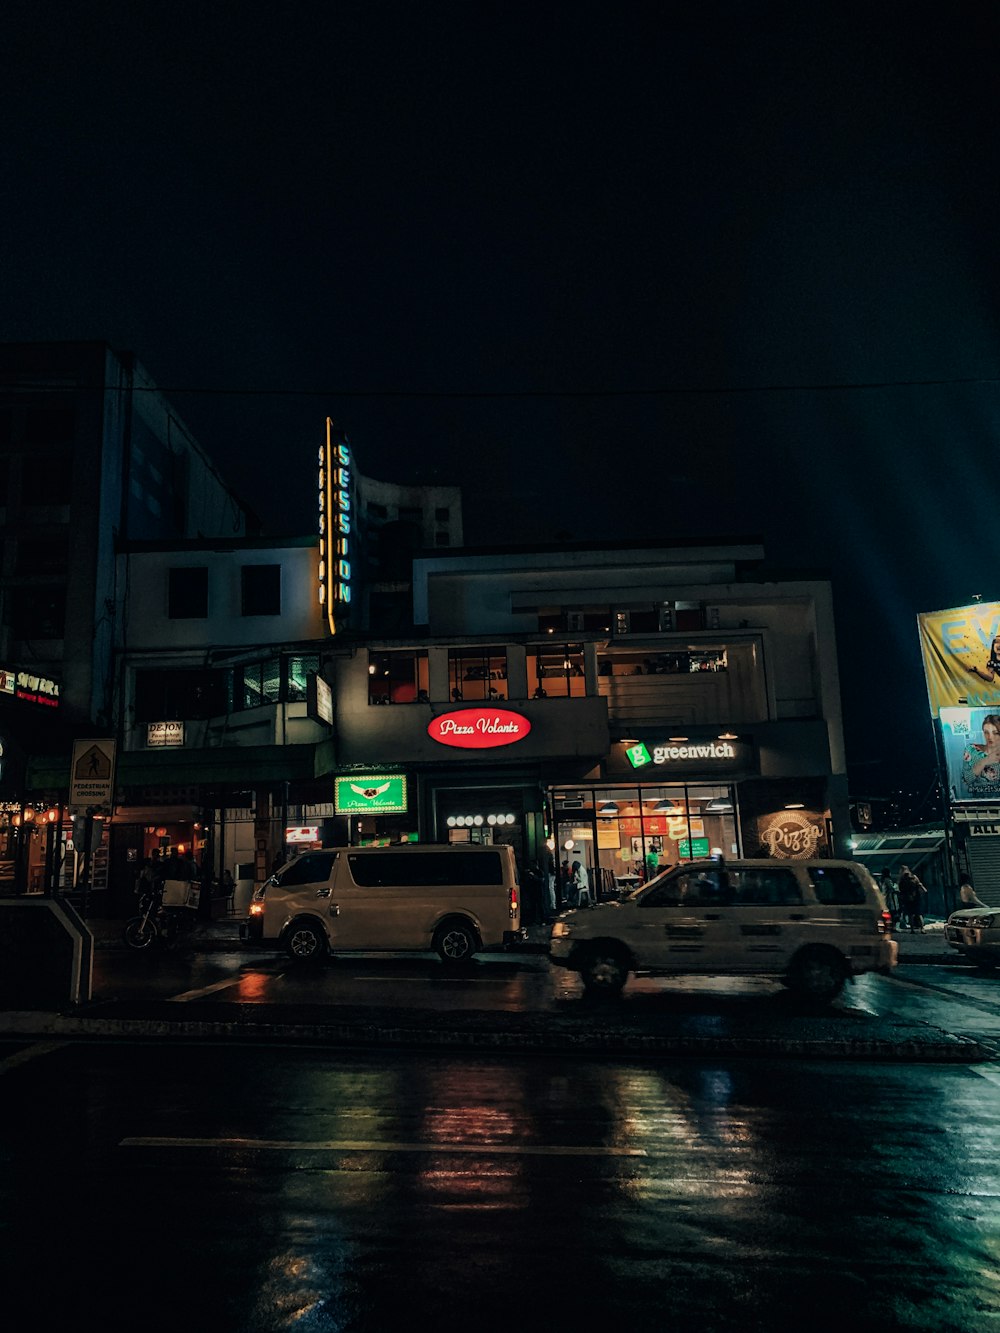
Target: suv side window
[(764, 888), (696, 888), (312, 867), (836, 885)]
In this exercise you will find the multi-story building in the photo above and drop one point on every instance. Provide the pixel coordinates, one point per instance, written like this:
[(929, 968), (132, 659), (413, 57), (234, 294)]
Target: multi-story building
[(91, 454), (625, 706)]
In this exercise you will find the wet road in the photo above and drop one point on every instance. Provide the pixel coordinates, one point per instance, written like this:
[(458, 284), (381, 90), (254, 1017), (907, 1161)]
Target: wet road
[(238, 1188)]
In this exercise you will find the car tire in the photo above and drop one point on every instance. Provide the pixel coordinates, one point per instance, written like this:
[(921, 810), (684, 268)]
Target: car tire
[(305, 942), (817, 973), (454, 943), (604, 971)]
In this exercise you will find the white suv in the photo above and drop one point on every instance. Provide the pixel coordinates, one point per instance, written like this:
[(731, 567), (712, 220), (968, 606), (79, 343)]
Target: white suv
[(808, 924)]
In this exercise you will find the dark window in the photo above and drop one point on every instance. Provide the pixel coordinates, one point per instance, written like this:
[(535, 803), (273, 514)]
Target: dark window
[(375, 510), (49, 555), (261, 590), (836, 885), (178, 696), (644, 621), (442, 539), (49, 425), (442, 515), (695, 888), (187, 597), (555, 670), (764, 888), (37, 613), (398, 677), (424, 869), (310, 868), (411, 514)]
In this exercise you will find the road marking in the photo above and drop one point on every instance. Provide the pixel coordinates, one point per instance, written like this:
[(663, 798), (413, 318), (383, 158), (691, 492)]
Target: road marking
[(991, 1075), (32, 1053), (378, 1146), (204, 990)]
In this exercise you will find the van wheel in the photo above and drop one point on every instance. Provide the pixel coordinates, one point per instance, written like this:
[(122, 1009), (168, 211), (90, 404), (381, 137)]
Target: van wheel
[(603, 971), (305, 943), (455, 943), (817, 973)]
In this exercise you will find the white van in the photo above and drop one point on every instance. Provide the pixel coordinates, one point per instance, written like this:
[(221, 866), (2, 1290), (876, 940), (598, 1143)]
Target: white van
[(458, 900), (808, 924)]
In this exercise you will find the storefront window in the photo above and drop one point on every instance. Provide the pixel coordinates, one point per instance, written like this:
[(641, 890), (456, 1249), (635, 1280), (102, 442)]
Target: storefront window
[(624, 836), (297, 675), (398, 677), (477, 673), (556, 670), (680, 662)]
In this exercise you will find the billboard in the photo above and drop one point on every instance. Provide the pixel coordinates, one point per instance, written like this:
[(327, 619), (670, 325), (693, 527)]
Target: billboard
[(971, 742), (961, 654), (372, 794)]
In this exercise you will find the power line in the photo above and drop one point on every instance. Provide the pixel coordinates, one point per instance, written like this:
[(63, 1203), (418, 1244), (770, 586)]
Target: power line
[(663, 391)]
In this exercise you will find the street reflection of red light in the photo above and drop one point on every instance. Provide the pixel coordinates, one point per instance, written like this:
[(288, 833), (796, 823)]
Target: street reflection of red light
[(253, 986)]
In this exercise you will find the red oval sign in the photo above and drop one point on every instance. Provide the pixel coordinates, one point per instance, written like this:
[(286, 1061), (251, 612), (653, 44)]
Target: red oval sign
[(479, 728)]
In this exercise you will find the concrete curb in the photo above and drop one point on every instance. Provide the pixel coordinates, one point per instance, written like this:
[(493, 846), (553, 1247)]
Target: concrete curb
[(906, 1045)]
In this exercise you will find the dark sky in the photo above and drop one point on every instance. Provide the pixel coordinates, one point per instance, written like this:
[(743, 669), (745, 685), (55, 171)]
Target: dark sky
[(592, 263)]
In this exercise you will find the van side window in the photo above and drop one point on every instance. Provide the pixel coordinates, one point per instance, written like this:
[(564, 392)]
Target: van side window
[(698, 888), (764, 888), (836, 885), (425, 869), (311, 867)]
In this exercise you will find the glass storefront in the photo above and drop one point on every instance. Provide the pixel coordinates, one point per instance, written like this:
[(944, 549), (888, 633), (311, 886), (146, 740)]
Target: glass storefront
[(624, 835)]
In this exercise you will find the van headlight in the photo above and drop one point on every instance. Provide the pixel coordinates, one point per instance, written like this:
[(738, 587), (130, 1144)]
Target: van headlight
[(561, 929)]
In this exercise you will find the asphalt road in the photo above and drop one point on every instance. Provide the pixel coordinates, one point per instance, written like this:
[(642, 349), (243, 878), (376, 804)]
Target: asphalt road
[(254, 1188)]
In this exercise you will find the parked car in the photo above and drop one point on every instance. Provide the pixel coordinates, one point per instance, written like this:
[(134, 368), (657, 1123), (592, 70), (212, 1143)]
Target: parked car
[(975, 933), (809, 924), (457, 900)]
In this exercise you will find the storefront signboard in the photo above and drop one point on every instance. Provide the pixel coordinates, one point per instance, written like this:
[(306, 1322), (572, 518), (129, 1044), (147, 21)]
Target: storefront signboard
[(479, 728), (370, 794), (791, 834), (310, 834), (670, 751), (164, 734)]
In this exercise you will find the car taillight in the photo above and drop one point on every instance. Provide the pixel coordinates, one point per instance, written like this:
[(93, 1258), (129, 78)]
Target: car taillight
[(513, 903), (885, 924)]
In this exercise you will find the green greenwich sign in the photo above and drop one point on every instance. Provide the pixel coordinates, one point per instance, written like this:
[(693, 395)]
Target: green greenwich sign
[(370, 794)]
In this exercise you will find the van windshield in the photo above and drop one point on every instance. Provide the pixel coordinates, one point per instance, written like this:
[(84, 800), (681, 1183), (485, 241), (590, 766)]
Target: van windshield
[(309, 868)]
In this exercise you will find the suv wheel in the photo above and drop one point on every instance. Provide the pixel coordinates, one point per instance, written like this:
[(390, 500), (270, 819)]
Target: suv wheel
[(603, 971), (817, 973), (455, 943), (304, 942)]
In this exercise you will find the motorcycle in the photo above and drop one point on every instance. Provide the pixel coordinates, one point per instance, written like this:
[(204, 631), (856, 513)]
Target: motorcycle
[(168, 910)]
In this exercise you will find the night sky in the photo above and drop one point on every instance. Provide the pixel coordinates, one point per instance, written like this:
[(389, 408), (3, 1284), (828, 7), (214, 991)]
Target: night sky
[(632, 271)]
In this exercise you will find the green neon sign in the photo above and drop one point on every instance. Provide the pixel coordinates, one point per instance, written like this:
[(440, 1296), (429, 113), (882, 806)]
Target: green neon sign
[(638, 756), (693, 850), (370, 794)]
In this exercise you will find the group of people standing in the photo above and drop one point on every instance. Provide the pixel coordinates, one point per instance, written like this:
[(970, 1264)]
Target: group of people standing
[(906, 898)]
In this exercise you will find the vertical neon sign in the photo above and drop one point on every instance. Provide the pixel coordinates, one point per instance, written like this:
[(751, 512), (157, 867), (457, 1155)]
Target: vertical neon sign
[(334, 526)]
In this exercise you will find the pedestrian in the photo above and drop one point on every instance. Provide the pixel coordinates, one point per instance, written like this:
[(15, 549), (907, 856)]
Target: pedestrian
[(887, 886), (967, 895), (533, 913), (912, 895), (551, 903)]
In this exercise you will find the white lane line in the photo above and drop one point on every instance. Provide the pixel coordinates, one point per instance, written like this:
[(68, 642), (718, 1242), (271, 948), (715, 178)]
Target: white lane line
[(380, 1146), (204, 990), (31, 1053), (991, 1075)]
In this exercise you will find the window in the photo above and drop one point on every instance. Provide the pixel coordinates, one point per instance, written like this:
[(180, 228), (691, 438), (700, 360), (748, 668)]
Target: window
[(187, 593), (37, 613), (477, 673), (764, 888), (310, 868), (49, 425), (258, 683), (836, 885), (398, 677), (49, 555), (442, 539), (375, 510), (699, 888), (180, 695), (555, 670), (424, 869), (297, 672), (261, 589), (442, 515)]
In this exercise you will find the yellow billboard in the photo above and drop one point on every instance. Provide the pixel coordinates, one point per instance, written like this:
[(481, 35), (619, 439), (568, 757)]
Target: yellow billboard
[(961, 654)]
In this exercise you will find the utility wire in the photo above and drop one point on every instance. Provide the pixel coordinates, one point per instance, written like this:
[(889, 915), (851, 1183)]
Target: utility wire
[(653, 392)]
